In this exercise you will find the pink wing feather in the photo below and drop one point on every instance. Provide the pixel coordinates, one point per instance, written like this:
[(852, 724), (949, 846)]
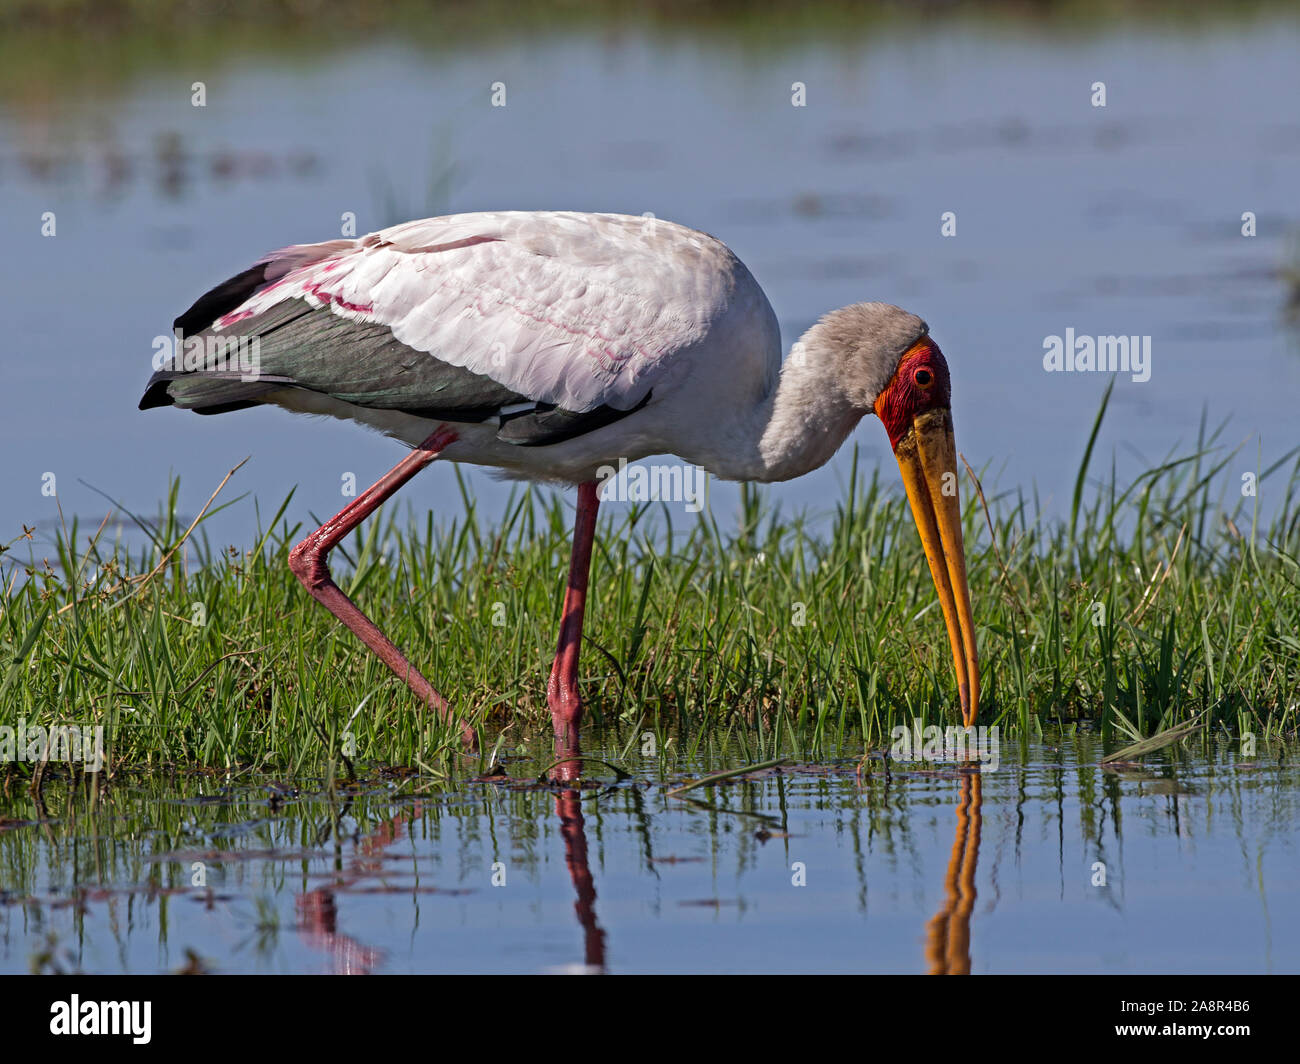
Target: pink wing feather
[(578, 310)]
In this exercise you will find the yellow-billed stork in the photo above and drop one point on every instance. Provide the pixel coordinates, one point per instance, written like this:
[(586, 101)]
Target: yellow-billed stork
[(551, 344)]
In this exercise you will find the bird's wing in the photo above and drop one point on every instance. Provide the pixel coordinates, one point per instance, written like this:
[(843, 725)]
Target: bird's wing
[(579, 314)]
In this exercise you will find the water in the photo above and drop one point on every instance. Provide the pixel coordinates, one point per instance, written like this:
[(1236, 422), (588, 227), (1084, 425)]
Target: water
[(1115, 220), (932, 869)]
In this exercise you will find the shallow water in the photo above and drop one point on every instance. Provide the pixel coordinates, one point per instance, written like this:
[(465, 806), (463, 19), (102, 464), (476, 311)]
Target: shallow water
[(927, 869), (1117, 220)]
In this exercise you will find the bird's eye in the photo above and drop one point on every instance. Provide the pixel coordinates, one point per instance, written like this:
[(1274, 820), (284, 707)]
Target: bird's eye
[(923, 377)]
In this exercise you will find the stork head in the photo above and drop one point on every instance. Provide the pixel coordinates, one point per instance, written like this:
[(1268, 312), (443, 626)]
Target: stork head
[(897, 372)]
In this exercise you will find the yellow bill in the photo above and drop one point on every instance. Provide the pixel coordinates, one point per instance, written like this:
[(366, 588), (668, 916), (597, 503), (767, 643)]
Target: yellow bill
[(927, 457)]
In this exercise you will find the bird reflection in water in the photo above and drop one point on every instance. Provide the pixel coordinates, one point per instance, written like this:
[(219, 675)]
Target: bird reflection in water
[(317, 909), (318, 912), (318, 917), (568, 807), (947, 948)]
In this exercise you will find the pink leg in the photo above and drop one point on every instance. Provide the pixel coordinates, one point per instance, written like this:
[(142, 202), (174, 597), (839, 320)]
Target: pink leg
[(562, 691), (307, 560)]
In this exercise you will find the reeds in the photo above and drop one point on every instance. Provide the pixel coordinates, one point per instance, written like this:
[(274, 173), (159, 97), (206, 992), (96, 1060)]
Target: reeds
[(1152, 603)]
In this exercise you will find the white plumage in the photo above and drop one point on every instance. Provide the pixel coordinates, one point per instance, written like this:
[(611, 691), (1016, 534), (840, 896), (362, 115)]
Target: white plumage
[(577, 310)]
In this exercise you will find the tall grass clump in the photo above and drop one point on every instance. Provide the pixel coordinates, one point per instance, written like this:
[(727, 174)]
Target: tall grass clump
[(1153, 603)]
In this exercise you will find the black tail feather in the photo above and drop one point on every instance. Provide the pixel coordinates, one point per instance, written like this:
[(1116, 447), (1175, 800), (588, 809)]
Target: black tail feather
[(221, 300), (205, 394)]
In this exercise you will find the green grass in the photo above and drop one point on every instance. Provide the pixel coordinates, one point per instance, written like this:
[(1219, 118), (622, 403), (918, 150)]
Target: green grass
[(1149, 604)]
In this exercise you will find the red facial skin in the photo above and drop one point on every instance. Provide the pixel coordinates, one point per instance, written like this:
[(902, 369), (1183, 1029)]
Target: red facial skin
[(920, 383)]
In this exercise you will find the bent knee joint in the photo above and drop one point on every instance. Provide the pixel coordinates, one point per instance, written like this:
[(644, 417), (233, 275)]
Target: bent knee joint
[(308, 565)]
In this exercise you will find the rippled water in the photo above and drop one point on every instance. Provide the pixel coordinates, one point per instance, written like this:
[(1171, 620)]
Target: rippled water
[(811, 867)]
